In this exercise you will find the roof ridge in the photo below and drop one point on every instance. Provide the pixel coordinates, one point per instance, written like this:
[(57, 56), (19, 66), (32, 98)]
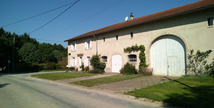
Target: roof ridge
[(148, 18)]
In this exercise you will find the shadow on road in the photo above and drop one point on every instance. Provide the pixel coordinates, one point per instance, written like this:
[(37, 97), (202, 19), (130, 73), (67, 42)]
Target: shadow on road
[(3, 85)]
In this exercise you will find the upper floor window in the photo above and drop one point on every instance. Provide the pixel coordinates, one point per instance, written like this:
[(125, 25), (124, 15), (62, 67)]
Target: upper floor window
[(73, 46), (104, 58), (210, 21), (132, 58), (88, 44)]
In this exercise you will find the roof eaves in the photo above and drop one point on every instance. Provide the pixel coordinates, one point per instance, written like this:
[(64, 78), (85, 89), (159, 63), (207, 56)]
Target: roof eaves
[(96, 32)]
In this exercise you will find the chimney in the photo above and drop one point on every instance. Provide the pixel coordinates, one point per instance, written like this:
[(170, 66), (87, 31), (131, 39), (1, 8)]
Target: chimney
[(131, 16)]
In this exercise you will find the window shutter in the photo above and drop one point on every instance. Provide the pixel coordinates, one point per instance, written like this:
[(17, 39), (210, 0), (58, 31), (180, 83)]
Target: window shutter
[(85, 62), (85, 44), (71, 47), (75, 46), (75, 62), (71, 62), (90, 44)]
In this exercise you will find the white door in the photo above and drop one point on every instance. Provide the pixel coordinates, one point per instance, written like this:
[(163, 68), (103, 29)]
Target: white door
[(116, 63), (168, 56)]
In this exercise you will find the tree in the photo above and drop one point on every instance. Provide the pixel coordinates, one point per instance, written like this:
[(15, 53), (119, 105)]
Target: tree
[(5, 51), (29, 53), (46, 53), (58, 55)]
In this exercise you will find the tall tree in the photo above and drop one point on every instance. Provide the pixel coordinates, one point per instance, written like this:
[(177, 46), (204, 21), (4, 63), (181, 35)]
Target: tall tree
[(46, 52), (5, 51), (29, 53)]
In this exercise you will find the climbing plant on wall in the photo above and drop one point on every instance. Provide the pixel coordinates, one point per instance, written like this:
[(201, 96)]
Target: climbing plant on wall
[(142, 55)]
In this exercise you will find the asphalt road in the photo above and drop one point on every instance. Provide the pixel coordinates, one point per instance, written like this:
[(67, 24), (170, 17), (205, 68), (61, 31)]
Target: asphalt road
[(23, 91)]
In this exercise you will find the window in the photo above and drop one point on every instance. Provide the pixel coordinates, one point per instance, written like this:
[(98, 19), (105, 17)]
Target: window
[(73, 61), (131, 34), (132, 58), (104, 58), (73, 46), (210, 21), (87, 61), (80, 61), (88, 44), (116, 37)]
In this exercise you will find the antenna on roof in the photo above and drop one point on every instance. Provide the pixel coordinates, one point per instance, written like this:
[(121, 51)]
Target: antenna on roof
[(126, 19)]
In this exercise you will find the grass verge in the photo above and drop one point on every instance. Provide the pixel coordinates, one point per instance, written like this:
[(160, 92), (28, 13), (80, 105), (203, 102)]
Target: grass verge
[(60, 76), (52, 70), (110, 79), (184, 92)]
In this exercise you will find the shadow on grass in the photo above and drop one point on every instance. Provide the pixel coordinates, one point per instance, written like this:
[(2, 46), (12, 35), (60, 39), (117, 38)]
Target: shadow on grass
[(195, 97), (3, 85)]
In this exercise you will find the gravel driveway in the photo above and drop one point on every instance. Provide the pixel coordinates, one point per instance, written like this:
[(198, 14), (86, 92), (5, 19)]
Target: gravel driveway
[(123, 86)]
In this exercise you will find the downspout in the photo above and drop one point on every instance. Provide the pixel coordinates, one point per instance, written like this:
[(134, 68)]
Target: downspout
[(96, 44)]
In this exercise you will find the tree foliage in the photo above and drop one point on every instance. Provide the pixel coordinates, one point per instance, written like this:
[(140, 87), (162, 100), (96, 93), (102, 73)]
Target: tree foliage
[(28, 52), (96, 63)]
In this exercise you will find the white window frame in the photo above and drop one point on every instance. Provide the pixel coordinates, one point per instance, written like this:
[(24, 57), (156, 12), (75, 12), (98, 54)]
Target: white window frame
[(73, 46), (80, 60), (88, 44), (73, 61)]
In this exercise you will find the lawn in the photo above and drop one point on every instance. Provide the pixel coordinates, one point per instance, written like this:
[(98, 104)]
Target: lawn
[(52, 70), (110, 79), (184, 92), (60, 76)]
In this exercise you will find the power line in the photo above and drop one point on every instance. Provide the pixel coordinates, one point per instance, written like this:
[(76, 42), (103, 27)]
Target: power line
[(50, 40), (36, 15), (94, 14), (54, 17)]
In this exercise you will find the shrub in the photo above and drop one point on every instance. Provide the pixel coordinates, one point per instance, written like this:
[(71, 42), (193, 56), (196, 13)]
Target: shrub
[(146, 71), (210, 69), (50, 65), (198, 63), (142, 55), (58, 66), (86, 68), (97, 71), (82, 67), (96, 63), (70, 69), (128, 69)]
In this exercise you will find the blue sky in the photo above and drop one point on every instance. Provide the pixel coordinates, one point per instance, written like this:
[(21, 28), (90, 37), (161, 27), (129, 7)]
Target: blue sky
[(83, 17)]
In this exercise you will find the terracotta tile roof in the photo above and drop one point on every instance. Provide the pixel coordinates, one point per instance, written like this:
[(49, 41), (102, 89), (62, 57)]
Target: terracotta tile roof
[(152, 17)]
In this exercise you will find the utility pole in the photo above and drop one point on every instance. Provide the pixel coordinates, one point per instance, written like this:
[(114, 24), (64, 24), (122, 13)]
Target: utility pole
[(14, 40)]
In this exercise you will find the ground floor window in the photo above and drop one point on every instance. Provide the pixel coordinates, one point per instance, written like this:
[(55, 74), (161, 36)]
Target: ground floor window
[(132, 58), (73, 61), (104, 59)]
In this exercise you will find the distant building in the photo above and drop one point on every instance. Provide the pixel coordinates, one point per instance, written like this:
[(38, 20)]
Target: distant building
[(168, 37)]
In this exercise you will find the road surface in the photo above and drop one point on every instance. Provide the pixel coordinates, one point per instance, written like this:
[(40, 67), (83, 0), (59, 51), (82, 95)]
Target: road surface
[(23, 91)]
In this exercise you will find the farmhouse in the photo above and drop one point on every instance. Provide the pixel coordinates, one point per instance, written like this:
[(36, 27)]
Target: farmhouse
[(168, 37)]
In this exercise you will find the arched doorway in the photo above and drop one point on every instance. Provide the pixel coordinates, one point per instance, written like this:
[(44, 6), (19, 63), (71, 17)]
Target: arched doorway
[(168, 56), (116, 63)]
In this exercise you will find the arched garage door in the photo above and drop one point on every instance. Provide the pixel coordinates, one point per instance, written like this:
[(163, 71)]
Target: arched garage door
[(116, 63), (168, 56)]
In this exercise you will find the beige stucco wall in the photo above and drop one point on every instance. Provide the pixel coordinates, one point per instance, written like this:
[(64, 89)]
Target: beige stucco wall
[(191, 28)]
